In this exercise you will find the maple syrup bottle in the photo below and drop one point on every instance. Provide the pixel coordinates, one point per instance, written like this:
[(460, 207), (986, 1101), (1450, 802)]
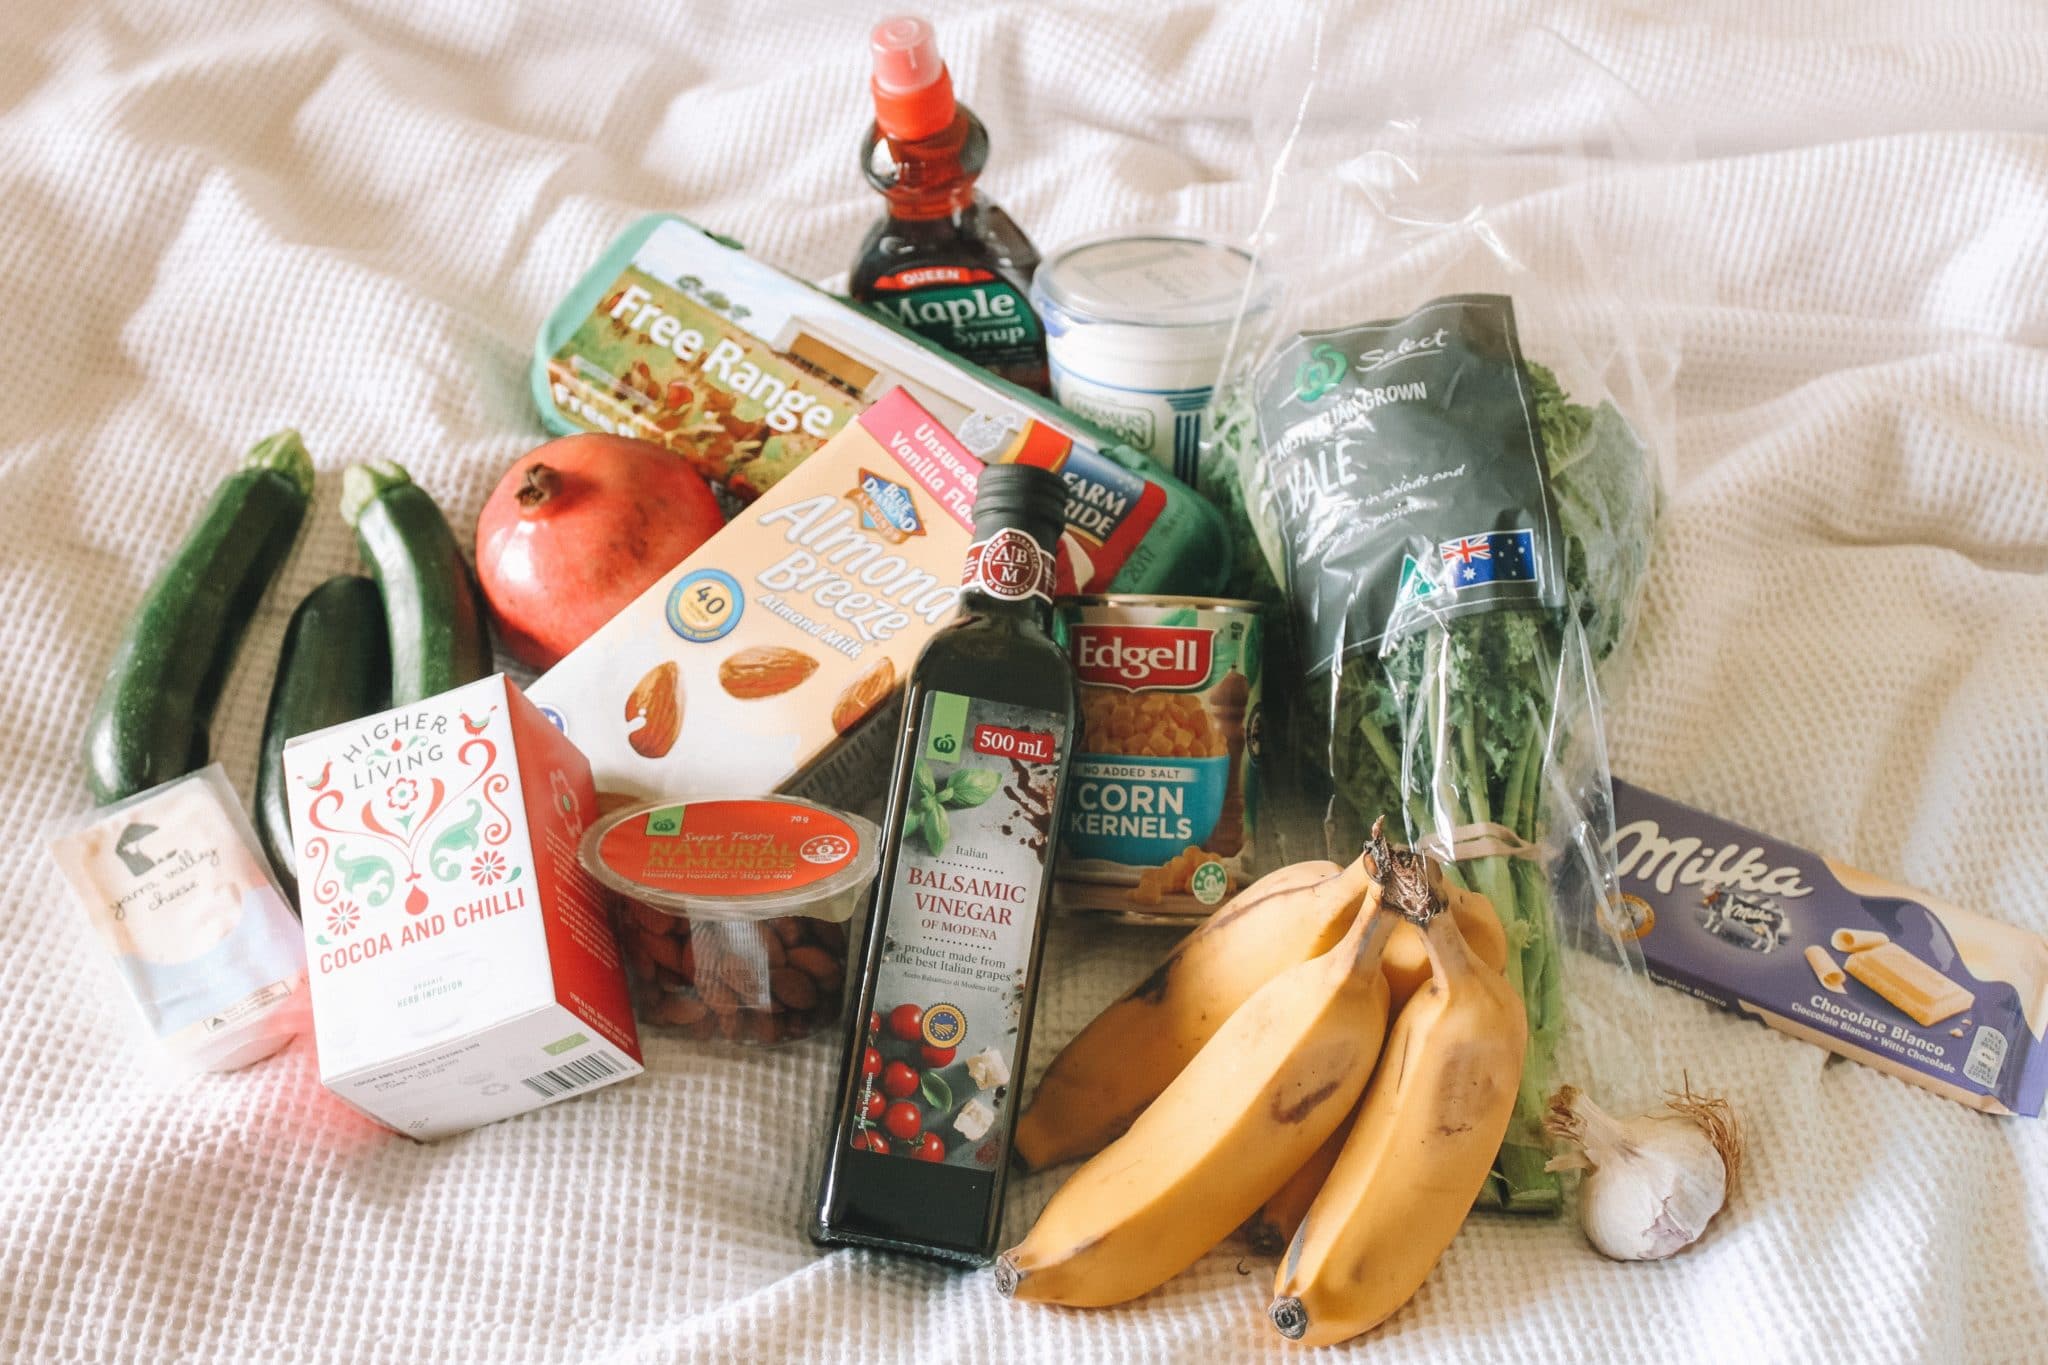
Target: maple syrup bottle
[(943, 261), (936, 1045)]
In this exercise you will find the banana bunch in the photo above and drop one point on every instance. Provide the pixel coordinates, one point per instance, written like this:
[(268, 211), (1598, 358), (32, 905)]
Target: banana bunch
[(1244, 1084)]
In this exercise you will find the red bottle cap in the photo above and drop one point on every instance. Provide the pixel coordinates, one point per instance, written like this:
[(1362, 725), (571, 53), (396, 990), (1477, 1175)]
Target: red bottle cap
[(912, 89)]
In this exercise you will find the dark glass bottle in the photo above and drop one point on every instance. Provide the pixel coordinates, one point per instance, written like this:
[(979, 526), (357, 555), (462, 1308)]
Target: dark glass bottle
[(941, 1024), (942, 261)]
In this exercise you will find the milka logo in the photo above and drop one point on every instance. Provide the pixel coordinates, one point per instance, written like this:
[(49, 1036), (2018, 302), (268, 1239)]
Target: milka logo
[(1690, 862)]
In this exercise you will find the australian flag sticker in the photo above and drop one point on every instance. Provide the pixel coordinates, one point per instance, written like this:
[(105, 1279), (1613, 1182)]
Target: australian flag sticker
[(1495, 557)]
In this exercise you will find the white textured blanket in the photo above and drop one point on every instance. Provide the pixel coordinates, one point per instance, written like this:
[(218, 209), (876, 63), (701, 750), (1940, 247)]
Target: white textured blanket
[(225, 216)]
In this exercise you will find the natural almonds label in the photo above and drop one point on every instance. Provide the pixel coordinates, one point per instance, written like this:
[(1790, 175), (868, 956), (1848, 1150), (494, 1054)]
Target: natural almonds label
[(729, 848), (938, 1082)]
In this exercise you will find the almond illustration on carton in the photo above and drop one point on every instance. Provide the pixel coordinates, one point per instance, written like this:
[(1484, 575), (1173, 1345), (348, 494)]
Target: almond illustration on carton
[(863, 695), (657, 701), (764, 671)]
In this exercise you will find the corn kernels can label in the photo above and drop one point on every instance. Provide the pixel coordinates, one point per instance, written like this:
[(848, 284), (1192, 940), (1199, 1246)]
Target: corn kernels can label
[(1161, 817)]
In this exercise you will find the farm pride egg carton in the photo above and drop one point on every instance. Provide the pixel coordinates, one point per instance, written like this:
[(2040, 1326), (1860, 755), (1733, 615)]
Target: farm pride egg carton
[(463, 966), (677, 336), (1934, 994)]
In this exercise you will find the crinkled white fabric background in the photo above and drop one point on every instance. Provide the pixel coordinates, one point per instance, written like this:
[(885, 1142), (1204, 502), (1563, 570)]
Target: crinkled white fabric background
[(221, 218)]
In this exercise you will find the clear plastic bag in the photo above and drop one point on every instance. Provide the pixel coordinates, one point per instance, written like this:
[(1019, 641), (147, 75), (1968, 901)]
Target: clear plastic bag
[(1445, 442)]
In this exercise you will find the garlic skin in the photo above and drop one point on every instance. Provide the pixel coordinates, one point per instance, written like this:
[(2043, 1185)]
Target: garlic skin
[(1656, 1193), (1654, 1181)]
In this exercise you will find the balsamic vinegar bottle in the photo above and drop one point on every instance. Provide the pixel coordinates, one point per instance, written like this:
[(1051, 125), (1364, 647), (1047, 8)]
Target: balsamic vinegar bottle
[(927, 1098)]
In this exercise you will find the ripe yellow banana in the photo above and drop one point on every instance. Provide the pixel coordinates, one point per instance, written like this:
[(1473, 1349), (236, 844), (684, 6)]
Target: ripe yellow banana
[(1406, 967), (1268, 1231), (1260, 1096), (1425, 1136), (1407, 959), (1103, 1079)]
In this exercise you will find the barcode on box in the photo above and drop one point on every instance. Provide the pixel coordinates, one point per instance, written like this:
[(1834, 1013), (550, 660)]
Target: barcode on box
[(1987, 1056), (572, 1076)]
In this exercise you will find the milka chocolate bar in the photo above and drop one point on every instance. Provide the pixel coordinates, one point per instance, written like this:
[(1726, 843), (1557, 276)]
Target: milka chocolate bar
[(1932, 993)]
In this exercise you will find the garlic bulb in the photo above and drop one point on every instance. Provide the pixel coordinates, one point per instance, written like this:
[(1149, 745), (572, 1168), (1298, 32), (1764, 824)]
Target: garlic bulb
[(1654, 1181)]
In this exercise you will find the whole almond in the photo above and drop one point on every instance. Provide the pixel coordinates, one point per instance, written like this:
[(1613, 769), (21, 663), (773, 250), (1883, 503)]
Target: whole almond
[(863, 695), (716, 993), (747, 981), (656, 700), (639, 961), (664, 950), (819, 965), (832, 935), (788, 928), (771, 945), (680, 1010), (649, 920), (764, 671), (793, 988)]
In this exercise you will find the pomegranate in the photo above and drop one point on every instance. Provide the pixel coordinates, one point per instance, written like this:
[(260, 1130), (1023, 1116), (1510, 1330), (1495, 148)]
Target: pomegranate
[(579, 528)]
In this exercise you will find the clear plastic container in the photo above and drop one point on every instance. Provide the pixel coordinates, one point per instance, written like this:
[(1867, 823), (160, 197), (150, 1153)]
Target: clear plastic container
[(733, 913)]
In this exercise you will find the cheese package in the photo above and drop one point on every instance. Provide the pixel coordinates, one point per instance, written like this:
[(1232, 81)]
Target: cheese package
[(179, 895), (746, 664), (1934, 994), (464, 967)]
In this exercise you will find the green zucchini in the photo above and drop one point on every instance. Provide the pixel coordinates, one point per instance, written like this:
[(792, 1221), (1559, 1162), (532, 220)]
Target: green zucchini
[(432, 605), (334, 666), (157, 701)]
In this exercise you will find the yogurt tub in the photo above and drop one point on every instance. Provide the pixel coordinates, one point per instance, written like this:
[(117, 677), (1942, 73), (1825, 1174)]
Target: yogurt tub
[(1136, 327), (733, 912)]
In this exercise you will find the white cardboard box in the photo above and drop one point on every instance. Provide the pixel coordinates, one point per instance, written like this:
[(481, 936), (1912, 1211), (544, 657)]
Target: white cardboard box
[(463, 966)]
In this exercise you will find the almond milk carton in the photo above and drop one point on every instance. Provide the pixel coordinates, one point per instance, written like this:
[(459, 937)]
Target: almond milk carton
[(743, 667), (463, 966)]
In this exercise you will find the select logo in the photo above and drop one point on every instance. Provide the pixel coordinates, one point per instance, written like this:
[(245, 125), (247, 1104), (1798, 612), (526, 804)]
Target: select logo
[(1144, 658)]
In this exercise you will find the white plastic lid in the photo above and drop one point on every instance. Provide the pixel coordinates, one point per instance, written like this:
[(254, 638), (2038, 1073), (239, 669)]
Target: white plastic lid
[(1155, 279)]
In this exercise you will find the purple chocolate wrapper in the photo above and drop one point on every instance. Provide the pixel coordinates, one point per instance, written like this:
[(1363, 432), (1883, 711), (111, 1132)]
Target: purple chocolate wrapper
[(1727, 914)]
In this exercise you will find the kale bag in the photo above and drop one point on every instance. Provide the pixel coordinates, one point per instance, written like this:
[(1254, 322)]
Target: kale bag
[(1441, 444)]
